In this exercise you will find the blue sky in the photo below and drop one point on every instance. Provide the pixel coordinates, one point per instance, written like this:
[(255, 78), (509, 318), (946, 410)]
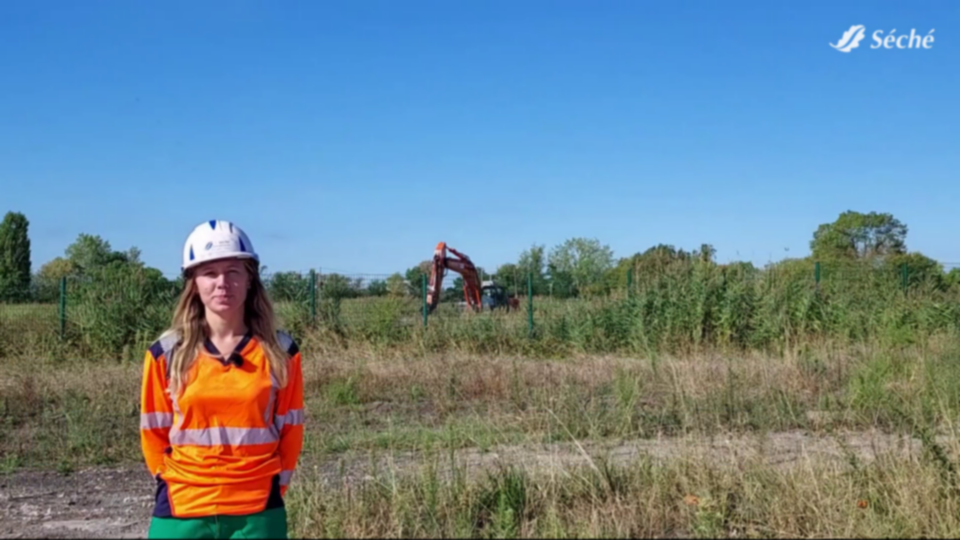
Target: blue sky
[(352, 136)]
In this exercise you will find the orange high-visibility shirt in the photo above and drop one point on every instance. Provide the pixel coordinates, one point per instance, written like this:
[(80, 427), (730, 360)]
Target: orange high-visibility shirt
[(230, 443)]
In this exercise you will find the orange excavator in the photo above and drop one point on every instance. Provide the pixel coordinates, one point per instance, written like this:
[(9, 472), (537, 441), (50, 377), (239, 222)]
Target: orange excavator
[(463, 266)]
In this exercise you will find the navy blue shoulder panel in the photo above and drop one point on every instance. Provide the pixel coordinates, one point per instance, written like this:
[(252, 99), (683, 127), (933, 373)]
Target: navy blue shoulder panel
[(164, 345), (156, 350)]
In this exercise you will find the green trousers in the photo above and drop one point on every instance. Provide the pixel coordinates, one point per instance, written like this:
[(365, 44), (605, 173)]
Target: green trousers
[(266, 524)]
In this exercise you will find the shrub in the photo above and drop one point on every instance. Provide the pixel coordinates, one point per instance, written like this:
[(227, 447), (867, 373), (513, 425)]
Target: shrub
[(117, 310)]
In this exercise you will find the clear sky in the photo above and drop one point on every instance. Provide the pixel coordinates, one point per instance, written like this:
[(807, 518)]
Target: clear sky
[(353, 135)]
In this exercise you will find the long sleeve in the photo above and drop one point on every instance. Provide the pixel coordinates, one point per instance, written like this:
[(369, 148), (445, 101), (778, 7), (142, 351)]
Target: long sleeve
[(156, 412), (289, 420)]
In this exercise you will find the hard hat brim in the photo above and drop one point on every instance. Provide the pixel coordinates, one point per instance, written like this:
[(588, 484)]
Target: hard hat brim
[(238, 255)]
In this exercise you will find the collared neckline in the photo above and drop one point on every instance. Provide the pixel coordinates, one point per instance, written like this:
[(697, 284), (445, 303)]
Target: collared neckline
[(237, 352)]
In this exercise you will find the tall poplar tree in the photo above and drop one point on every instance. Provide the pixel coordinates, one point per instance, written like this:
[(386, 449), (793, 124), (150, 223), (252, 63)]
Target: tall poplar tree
[(14, 258)]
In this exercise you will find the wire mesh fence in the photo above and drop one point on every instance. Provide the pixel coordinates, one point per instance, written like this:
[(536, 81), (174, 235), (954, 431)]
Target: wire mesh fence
[(645, 307)]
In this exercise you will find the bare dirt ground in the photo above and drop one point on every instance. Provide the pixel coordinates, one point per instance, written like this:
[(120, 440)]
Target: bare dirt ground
[(116, 502)]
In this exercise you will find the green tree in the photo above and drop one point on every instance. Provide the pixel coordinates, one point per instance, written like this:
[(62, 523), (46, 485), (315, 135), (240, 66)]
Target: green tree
[(650, 264), (90, 251), (288, 286), (414, 276), (338, 287), (14, 258), (120, 307), (511, 277), (533, 262), (397, 286), (377, 287), (46, 283), (132, 255), (453, 292), (858, 236), (580, 264)]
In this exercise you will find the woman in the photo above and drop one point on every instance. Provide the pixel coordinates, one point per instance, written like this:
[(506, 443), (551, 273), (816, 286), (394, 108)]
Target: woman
[(221, 419)]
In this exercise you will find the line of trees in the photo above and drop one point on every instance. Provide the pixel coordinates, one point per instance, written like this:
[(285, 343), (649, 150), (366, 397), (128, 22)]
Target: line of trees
[(578, 267), (583, 267)]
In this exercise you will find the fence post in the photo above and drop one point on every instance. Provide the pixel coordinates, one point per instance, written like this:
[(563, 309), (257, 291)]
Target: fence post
[(630, 281), (313, 297), (816, 275), (423, 296), (904, 277), (530, 303), (63, 307)]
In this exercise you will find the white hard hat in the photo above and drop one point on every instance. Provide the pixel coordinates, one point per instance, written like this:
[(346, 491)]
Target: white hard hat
[(216, 239)]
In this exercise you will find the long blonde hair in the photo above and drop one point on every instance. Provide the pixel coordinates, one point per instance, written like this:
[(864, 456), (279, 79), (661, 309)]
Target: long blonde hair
[(190, 325)]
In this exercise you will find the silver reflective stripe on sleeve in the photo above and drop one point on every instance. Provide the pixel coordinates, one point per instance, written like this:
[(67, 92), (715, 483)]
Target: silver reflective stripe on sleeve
[(285, 477), (294, 417), (156, 420)]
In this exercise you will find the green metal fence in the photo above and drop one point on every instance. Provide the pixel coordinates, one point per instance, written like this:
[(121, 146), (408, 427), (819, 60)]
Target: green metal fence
[(119, 314)]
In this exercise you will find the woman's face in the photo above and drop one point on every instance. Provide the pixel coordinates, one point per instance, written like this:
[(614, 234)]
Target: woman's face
[(223, 285)]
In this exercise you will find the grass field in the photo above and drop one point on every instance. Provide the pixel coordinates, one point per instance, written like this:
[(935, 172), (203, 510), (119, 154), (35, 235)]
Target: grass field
[(698, 405), (417, 411)]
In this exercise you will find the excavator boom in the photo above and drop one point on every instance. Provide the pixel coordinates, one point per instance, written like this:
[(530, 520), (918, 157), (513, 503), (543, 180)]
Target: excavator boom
[(460, 264)]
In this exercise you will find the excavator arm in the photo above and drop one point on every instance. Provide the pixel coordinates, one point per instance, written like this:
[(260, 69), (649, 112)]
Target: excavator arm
[(461, 264)]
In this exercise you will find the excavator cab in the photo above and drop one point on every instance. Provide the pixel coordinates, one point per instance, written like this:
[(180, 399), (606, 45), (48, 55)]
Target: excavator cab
[(494, 296)]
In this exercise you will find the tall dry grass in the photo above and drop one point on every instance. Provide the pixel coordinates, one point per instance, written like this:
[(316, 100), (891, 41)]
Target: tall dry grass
[(892, 496), (76, 413)]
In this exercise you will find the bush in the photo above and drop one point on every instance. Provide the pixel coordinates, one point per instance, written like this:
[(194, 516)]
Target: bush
[(117, 310)]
